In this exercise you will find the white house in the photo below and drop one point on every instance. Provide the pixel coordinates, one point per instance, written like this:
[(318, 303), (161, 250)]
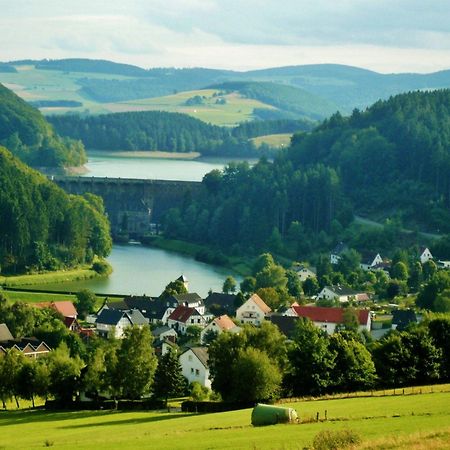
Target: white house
[(336, 253), (253, 311), (192, 300), (194, 365), (304, 272), (370, 261), (218, 326), (342, 294), (184, 316), (327, 319), (113, 323), (425, 255)]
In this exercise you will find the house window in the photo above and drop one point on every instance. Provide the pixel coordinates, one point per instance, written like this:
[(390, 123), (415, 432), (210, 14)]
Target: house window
[(197, 372), (192, 370), (198, 320), (192, 320)]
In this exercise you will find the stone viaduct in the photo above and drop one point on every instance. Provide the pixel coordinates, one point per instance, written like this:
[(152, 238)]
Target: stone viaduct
[(133, 206)]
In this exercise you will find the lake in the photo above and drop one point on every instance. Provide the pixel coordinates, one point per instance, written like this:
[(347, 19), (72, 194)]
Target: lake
[(144, 270), (107, 164)]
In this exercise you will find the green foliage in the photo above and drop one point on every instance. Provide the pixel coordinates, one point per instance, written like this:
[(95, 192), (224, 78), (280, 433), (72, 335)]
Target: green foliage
[(101, 267), (169, 380), (229, 285), (26, 133), (85, 302), (429, 292), (174, 288), (335, 440), (198, 392), (41, 226)]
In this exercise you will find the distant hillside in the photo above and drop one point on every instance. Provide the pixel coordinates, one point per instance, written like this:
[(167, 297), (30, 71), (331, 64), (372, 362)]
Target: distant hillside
[(291, 101), (393, 159), (7, 68), (26, 133)]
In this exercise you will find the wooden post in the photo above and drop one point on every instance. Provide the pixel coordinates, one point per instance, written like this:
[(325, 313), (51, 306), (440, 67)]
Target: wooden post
[(317, 416), (326, 415)]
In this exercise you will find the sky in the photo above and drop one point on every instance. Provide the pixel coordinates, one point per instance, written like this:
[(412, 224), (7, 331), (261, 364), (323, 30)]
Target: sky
[(383, 35)]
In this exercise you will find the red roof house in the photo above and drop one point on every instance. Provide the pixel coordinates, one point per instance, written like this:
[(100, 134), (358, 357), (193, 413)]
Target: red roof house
[(185, 316)]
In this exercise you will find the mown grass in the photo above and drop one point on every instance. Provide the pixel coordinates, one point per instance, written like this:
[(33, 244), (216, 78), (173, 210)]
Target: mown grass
[(48, 277), (37, 297), (274, 140), (380, 421)]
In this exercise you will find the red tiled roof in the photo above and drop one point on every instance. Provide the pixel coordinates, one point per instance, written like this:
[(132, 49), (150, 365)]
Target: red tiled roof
[(330, 315), (65, 307), (182, 313), (224, 322), (260, 303)]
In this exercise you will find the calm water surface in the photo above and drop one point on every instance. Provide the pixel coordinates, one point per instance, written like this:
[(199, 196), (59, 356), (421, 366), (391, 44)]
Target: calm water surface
[(143, 270), (106, 164)]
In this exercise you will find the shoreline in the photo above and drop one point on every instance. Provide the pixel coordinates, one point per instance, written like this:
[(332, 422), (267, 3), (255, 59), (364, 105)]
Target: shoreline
[(150, 154)]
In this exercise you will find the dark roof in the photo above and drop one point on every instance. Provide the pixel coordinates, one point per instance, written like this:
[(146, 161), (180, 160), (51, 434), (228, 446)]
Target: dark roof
[(201, 353), (342, 290), (183, 279), (110, 317), (160, 330), (143, 303), (340, 248), (182, 313), (403, 317), (136, 317), (330, 315), (368, 257), (118, 305), (187, 298), (222, 302), (286, 324)]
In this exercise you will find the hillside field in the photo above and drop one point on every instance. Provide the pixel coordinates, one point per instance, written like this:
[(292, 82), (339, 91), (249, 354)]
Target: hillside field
[(409, 421)]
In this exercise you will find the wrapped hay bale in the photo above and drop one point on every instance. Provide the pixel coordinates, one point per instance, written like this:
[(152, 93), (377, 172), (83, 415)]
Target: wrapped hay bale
[(271, 415)]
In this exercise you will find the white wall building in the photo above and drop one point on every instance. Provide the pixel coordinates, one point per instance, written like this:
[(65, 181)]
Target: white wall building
[(253, 311), (194, 365)]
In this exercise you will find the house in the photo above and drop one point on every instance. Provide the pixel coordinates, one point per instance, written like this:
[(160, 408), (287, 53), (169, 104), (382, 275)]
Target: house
[(286, 311), (192, 300), (194, 365), (72, 324), (111, 322), (165, 333), (304, 272), (184, 280), (443, 264), (342, 294), (218, 303), (65, 308), (29, 347), (253, 311), (425, 255), (184, 316), (401, 318), (328, 319), (336, 253), (5, 334), (369, 261), (218, 325)]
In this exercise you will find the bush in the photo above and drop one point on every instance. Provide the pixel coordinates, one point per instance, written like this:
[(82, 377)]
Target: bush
[(101, 267), (334, 440)]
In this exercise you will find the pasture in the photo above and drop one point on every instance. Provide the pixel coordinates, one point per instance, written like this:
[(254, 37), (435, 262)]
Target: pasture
[(406, 421)]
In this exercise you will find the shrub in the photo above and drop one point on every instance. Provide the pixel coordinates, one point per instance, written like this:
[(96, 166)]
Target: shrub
[(101, 267), (334, 440)]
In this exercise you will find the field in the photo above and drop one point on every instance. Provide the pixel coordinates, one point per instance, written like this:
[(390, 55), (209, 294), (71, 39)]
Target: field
[(33, 84), (274, 140), (37, 297), (410, 421)]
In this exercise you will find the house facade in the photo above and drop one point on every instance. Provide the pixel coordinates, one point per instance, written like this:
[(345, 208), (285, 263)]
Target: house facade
[(304, 273), (425, 255), (253, 311), (218, 325), (113, 323), (194, 365), (370, 261), (341, 294), (184, 316), (335, 254), (327, 319)]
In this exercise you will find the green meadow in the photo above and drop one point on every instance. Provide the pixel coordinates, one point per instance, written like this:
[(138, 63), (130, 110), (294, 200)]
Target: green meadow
[(274, 140), (405, 421)]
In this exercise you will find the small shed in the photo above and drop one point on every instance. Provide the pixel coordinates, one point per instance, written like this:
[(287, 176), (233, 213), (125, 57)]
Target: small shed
[(271, 415)]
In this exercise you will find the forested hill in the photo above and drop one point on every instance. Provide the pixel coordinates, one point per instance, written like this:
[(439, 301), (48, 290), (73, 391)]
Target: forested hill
[(26, 133), (42, 227), (174, 132), (393, 158)]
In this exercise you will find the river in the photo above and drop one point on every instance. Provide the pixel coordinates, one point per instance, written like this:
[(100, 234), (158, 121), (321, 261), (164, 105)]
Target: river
[(144, 270)]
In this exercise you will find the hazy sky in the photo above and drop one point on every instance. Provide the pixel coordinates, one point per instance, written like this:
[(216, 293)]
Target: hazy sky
[(384, 35)]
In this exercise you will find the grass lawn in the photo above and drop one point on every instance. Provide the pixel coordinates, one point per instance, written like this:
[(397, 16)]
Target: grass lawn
[(36, 297), (410, 421), (274, 140)]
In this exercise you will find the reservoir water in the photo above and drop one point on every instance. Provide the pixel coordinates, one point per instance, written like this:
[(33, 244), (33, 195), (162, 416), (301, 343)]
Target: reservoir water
[(144, 270), (107, 164)]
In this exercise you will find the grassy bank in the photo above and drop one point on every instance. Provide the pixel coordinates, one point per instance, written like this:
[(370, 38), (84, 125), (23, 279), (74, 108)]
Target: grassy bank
[(240, 265), (36, 297), (402, 422), (60, 276)]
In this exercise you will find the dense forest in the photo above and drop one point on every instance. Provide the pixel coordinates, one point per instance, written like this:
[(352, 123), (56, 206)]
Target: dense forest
[(26, 133), (391, 159), (42, 227), (174, 132)]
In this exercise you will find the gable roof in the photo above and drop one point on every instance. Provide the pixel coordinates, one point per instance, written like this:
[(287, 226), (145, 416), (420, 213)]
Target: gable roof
[(118, 305), (143, 303), (136, 317), (70, 321), (224, 323), (330, 315), (5, 334), (201, 353), (187, 298), (260, 303), (65, 307), (342, 290), (221, 299), (286, 324), (183, 313), (339, 248), (111, 317)]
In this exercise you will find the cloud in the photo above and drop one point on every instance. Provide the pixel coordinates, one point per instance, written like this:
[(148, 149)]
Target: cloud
[(384, 35)]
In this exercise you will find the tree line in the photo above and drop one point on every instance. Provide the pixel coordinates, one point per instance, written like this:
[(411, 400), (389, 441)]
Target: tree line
[(42, 227)]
